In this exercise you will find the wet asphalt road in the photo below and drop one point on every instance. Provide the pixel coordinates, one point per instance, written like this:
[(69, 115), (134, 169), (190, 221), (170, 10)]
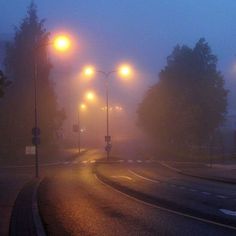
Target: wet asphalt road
[(73, 201)]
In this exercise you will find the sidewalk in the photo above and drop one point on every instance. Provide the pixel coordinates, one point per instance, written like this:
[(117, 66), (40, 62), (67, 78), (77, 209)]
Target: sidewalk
[(225, 172)]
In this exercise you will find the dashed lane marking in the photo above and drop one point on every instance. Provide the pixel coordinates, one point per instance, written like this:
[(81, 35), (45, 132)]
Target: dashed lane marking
[(173, 185), (221, 196), (228, 212), (193, 190)]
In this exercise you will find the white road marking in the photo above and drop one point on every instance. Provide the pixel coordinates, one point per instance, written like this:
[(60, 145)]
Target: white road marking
[(130, 161), (206, 193), (142, 177), (193, 190), (84, 162), (221, 196), (120, 160), (166, 209), (92, 161), (121, 176), (228, 212), (139, 161), (66, 162)]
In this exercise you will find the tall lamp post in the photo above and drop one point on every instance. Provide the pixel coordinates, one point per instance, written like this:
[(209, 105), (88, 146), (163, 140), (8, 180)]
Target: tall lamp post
[(82, 106), (61, 43), (124, 71)]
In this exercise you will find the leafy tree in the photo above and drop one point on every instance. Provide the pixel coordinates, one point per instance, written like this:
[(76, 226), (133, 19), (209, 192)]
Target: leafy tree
[(189, 102), (3, 83), (17, 119)]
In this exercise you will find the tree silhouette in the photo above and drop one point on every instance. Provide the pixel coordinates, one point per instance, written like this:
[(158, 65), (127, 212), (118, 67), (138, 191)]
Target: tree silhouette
[(17, 118), (189, 102)]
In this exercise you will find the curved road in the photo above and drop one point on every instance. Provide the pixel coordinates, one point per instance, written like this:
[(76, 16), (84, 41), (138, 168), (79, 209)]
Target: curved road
[(73, 201)]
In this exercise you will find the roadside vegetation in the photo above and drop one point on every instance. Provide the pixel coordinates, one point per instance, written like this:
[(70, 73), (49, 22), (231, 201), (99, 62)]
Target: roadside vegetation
[(182, 113), (17, 106)]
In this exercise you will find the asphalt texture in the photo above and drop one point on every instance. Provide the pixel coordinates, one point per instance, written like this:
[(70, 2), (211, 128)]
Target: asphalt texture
[(73, 201)]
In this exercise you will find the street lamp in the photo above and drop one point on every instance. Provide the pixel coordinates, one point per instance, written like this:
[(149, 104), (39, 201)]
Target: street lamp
[(60, 43), (123, 71), (90, 96)]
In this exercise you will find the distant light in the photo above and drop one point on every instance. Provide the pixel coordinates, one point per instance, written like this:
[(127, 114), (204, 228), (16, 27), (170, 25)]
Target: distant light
[(89, 71), (83, 106), (90, 96), (118, 108)]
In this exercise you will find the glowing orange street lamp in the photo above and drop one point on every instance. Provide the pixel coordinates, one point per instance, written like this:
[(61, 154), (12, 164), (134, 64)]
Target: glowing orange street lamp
[(124, 71), (89, 71), (61, 43), (82, 106), (90, 96)]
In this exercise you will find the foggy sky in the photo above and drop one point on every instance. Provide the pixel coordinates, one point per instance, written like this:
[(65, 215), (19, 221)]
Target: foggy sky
[(142, 32)]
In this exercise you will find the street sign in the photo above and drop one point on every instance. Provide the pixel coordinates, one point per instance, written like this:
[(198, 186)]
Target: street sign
[(36, 131), (108, 138), (108, 147), (36, 140), (30, 150)]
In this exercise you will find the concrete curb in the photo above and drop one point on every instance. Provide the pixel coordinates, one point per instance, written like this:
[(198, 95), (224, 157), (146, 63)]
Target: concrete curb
[(221, 180), (35, 211), (25, 217)]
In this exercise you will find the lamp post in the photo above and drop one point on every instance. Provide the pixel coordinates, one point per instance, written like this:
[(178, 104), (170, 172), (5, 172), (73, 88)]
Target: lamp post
[(124, 71), (81, 107), (61, 43)]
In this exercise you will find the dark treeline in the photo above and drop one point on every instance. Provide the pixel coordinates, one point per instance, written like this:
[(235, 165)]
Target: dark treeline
[(188, 104), (17, 106)]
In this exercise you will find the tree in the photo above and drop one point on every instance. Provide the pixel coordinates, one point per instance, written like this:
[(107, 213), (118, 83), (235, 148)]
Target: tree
[(17, 119), (4, 82), (189, 102)]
